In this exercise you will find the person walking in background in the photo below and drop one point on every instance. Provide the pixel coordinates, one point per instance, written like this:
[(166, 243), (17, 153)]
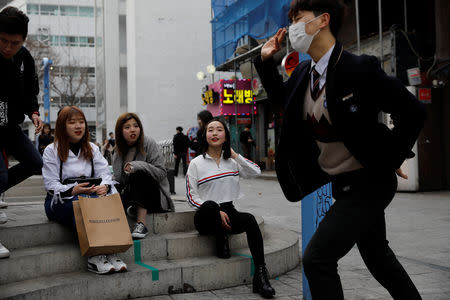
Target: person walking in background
[(111, 140), (331, 132), (19, 88), (139, 168), (73, 156), (247, 142), (212, 187), (180, 147), (107, 150), (46, 138), (203, 117)]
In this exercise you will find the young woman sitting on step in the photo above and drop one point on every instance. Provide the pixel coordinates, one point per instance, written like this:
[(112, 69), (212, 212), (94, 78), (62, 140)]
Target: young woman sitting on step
[(212, 183), (69, 157), (139, 168)]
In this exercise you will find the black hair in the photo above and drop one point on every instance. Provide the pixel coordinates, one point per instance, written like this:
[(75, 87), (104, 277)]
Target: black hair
[(179, 128), (110, 133), (14, 21), (226, 146), (205, 116), (248, 126), (333, 7)]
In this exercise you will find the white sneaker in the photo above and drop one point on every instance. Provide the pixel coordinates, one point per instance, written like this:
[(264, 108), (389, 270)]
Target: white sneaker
[(3, 218), (118, 264), (4, 253), (3, 204), (99, 264)]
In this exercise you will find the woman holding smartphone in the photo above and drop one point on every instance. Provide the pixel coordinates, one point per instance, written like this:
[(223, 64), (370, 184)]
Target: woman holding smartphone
[(70, 157), (212, 185)]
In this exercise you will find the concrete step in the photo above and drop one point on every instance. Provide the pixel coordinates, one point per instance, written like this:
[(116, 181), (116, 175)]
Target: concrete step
[(46, 260), (28, 225), (17, 200), (25, 191), (36, 180), (204, 273)]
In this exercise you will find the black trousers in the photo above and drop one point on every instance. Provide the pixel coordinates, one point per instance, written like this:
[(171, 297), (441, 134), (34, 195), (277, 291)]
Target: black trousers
[(207, 221), (181, 157), (357, 217), (16, 143), (142, 190)]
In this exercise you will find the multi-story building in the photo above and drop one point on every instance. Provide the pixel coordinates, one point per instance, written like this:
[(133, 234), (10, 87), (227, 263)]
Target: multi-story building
[(148, 62), (63, 31)]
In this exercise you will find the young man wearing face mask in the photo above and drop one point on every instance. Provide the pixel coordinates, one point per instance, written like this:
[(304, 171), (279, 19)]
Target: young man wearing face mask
[(331, 133)]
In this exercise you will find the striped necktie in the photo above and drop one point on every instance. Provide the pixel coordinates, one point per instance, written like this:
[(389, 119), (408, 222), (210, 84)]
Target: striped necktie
[(316, 86)]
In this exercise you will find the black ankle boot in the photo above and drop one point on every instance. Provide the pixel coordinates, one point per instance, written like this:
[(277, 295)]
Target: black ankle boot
[(223, 247), (261, 283)]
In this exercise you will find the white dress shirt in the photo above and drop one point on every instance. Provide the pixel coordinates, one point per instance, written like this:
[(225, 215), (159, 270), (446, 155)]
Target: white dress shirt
[(74, 166), (321, 67)]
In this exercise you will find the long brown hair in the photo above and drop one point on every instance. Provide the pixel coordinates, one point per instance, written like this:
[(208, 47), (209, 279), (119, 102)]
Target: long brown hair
[(62, 139), (121, 144)]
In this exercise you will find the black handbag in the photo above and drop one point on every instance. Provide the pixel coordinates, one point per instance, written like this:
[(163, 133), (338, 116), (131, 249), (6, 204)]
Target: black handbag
[(81, 179)]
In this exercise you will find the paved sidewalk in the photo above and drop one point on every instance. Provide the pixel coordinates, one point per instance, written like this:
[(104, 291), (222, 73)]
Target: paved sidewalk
[(418, 226)]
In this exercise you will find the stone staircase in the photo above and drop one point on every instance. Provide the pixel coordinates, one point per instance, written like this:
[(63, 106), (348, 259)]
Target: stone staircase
[(45, 260)]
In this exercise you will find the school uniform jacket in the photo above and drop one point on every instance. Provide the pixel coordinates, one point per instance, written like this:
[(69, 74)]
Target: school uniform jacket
[(74, 166), (357, 89), (205, 180)]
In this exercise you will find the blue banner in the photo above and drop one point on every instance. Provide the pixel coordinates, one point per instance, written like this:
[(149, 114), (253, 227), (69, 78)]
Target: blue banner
[(314, 207)]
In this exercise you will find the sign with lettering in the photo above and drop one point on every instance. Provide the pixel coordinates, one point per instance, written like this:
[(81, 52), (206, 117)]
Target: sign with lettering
[(425, 94), (236, 97)]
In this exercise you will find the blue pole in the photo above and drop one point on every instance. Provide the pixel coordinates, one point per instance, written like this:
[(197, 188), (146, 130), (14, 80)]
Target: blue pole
[(314, 207), (47, 63)]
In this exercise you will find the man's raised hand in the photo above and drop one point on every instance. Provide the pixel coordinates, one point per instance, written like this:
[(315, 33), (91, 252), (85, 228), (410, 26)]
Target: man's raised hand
[(273, 45)]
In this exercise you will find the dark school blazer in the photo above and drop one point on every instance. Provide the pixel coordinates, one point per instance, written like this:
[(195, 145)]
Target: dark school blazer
[(357, 90)]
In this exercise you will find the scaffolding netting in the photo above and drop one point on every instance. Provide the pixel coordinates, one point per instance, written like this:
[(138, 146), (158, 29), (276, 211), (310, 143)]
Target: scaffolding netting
[(235, 19)]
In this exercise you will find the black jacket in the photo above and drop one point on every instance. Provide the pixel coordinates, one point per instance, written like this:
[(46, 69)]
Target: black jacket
[(357, 89), (19, 86), (180, 143)]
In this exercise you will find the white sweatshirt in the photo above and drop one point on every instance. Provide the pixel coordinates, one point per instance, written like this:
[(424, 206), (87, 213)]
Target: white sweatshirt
[(205, 180), (74, 166)]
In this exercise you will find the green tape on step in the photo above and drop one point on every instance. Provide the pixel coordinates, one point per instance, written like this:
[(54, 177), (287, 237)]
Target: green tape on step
[(252, 263), (138, 261)]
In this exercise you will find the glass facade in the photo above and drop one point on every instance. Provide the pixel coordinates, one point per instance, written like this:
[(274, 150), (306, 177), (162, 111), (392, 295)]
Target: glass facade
[(65, 41), (60, 10)]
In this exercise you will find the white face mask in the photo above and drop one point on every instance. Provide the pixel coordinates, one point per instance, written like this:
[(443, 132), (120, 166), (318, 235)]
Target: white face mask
[(300, 40)]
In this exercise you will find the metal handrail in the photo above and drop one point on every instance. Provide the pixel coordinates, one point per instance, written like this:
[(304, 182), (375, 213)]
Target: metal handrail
[(166, 148)]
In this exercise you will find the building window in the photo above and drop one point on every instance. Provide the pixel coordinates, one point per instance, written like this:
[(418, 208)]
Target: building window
[(99, 41), (83, 40), (68, 10), (50, 10), (91, 41), (32, 9), (73, 41), (91, 72), (86, 11), (63, 41), (54, 40)]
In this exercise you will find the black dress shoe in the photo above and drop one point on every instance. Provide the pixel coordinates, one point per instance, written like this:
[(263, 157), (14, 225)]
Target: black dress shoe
[(261, 284), (223, 247)]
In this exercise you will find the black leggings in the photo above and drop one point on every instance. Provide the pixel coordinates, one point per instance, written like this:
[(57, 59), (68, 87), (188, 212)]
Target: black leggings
[(207, 221), (357, 217), (142, 190)]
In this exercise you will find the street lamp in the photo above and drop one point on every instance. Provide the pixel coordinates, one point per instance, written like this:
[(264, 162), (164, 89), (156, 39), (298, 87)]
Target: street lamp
[(46, 63), (211, 69)]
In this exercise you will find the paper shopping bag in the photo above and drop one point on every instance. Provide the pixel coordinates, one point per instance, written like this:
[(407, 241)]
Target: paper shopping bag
[(101, 225)]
